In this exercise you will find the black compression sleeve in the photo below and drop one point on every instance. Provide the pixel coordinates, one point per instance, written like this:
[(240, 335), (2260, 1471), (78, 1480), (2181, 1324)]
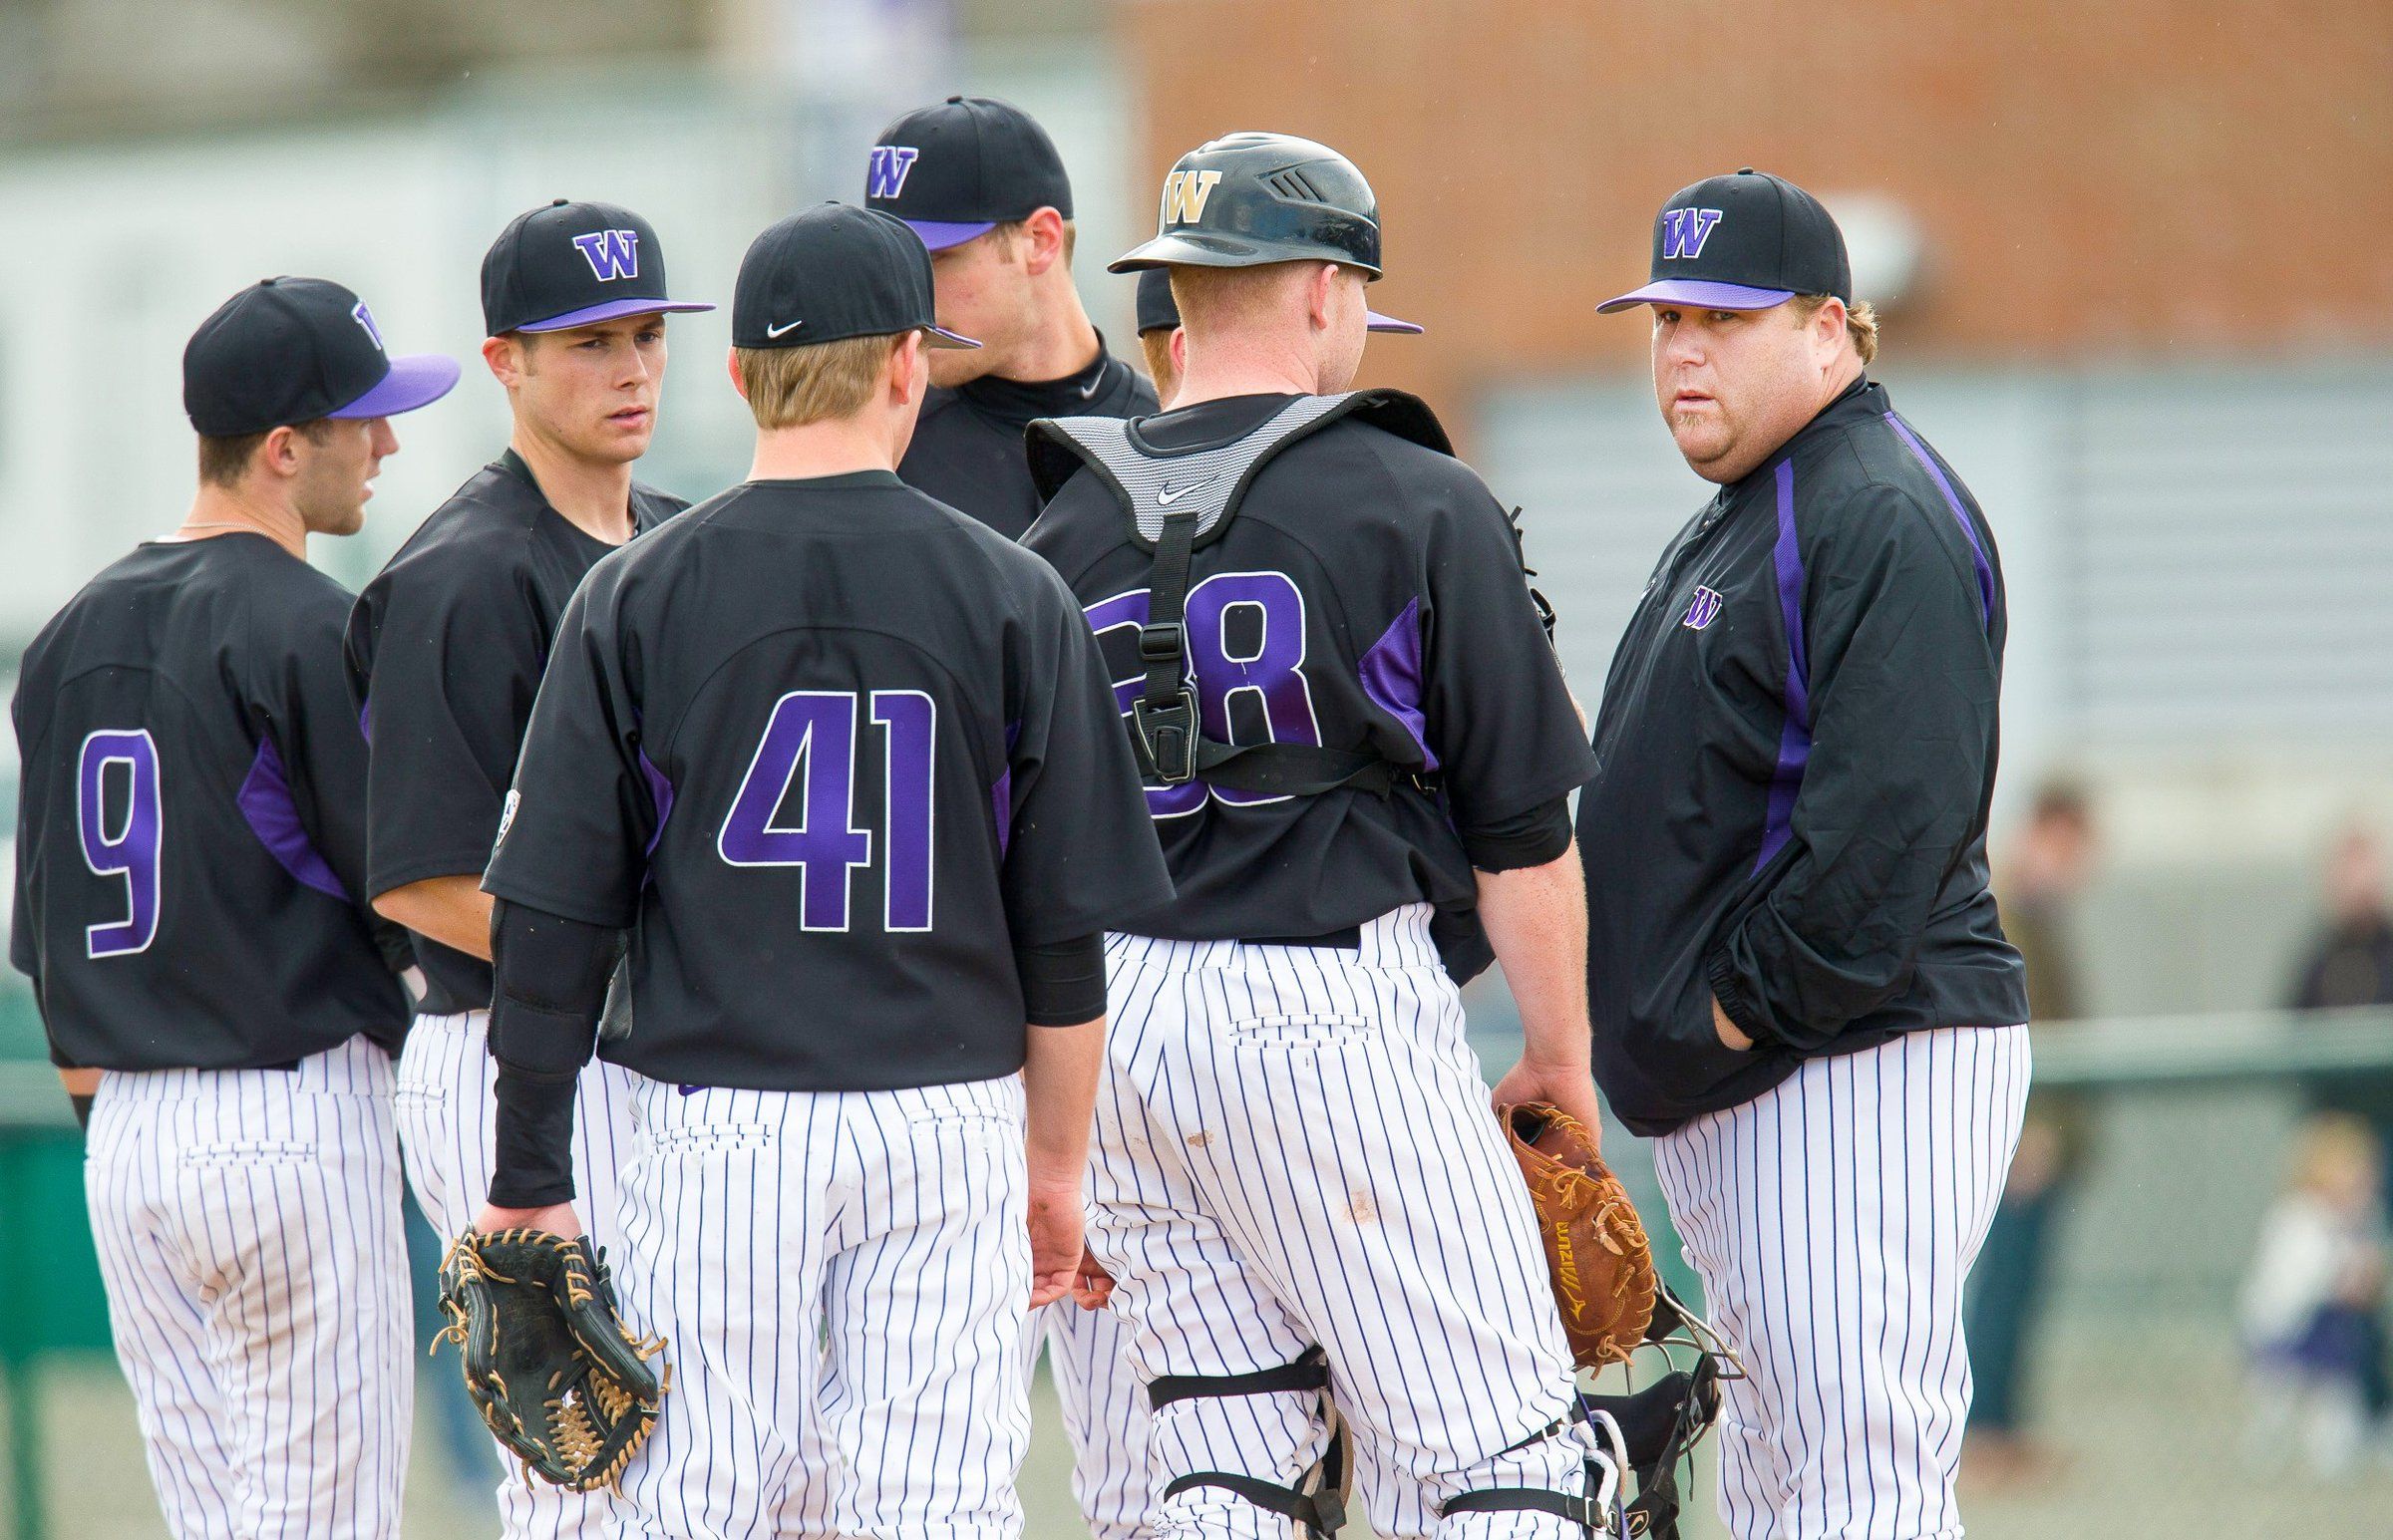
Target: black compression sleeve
[(1526, 839), (551, 982), (1063, 982)]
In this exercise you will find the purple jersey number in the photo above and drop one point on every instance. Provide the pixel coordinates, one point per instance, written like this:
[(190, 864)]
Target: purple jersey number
[(1269, 610), (131, 851), (810, 739)]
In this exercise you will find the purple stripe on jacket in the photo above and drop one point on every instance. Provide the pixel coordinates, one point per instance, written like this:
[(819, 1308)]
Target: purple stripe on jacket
[(1795, 734)]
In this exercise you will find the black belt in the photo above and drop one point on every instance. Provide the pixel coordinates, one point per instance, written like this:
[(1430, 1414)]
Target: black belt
[(1348, 940)]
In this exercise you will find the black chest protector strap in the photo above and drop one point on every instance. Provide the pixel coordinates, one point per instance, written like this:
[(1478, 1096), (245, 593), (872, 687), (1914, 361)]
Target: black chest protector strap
[(1167, 728)]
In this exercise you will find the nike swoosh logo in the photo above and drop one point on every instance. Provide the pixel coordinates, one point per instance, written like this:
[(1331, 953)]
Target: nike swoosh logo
[(1169, 496), (785, 326), (1090, 389)]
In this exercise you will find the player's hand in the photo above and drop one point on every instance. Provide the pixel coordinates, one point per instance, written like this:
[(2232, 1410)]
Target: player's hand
[(1571, 1087), (1055, 1242), (1730, 1035), (559, 1219), (1095, 1286)]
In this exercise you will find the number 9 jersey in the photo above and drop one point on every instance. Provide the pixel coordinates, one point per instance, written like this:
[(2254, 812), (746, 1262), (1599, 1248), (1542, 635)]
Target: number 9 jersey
[(832, 751), (192, 827)]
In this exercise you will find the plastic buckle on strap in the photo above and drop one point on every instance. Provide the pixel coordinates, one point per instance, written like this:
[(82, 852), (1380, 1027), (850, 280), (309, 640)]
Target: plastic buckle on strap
[(1162, 644), (1166, 737)]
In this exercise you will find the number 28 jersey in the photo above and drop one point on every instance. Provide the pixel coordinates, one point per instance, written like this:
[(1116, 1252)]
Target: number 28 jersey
[(192, 827), (832, 751)]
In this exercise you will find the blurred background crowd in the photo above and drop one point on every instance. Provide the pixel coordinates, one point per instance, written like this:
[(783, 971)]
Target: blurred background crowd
[(2135, 269)]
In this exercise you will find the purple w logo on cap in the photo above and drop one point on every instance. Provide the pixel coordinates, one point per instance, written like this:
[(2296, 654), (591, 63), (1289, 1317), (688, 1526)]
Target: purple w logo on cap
[(886, 176), (613, 254), (1684, 231)]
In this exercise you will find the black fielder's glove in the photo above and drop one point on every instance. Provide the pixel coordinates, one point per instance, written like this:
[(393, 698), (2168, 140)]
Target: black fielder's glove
[(547, 1360)]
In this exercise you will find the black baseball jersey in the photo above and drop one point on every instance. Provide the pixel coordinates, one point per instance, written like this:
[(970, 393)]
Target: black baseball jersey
[(191, 826), (1354, 586), (446, 648), (967, 447), (832, 751)]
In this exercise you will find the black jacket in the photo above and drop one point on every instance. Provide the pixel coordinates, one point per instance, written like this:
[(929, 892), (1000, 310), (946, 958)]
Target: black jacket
[(1797, 749)]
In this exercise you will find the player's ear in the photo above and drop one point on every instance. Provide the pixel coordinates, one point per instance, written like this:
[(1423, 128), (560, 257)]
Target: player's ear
[(1322, 295), (1180, 350), (1043, 241), (505, 356), (730, 366), (909, 369), (279, 454)]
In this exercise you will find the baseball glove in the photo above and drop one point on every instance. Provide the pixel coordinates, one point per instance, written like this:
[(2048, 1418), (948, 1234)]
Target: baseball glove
[(1595, 1246), (547, 1360)]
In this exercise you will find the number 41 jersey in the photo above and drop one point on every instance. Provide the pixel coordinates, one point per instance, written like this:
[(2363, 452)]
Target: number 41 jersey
[(191, 826), (832, 751)]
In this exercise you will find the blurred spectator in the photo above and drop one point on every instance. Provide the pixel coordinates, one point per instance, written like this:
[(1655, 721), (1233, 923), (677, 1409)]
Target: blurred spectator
[(2312, 1304), (2037, 883), (2350, 963)]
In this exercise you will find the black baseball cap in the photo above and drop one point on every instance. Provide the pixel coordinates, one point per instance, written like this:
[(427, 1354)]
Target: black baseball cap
[(1742, 242), (834, 271), (957, 170), (287, 350), (566, 264), (1159, 312)]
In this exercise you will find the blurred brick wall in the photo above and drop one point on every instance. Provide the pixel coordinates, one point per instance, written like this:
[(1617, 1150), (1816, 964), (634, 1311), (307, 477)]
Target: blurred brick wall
[(2133, 178)]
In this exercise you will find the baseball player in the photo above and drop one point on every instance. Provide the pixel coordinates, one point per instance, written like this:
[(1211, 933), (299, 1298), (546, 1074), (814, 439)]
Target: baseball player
[(847, 766), (980, 182), (189, 906), (445, 650), (1799, 985), (1348, 718)]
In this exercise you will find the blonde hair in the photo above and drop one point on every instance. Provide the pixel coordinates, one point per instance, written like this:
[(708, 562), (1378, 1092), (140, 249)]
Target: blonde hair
[(1157, 345), (1860, 322), (792, 386)]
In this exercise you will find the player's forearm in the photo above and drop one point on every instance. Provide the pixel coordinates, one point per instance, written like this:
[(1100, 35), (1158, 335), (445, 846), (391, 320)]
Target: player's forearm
[(550, 978), (453, 911), (1059, 1083), (1537, 920)]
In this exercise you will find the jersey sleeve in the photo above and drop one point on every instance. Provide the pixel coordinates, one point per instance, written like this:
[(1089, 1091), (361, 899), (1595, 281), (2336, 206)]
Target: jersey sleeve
[(1905, 680), (1080, 853), (1498, 715), (302, 707), (24, 953), (574, 833), (456, 651)]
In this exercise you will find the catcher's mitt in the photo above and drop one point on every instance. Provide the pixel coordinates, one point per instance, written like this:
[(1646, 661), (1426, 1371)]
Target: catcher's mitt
[(547, 1360), (1595, 1246)]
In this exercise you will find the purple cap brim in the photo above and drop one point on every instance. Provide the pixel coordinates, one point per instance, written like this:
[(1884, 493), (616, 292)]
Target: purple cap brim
[(1380, 323), (416, 380), (613, 309), (939, 235), (953, 339), (1701, 292)]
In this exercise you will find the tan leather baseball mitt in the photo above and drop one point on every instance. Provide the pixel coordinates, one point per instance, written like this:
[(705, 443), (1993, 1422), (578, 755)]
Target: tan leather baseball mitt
[(1595, 1246)]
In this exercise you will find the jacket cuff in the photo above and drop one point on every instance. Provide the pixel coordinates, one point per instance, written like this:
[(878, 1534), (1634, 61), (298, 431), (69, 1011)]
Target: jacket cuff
[(1729, 989)]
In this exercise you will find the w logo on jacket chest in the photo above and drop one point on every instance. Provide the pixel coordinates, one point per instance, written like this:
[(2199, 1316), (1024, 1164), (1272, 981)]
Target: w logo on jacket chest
[(1703, 611)]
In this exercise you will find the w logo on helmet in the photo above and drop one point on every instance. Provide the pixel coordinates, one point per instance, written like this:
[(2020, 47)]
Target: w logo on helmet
[(613, 254), (1684, 231), (1185, 194), (886, 176)]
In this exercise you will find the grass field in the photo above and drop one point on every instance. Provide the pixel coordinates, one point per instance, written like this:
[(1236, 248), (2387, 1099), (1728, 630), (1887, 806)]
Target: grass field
[(2149, 1421)]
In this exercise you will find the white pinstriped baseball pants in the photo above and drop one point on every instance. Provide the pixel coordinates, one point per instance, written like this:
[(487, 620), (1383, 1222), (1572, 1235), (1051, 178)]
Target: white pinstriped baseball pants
[(248, 1223), (1104, 1415), (448, 1128), (1834, 1219), (841, 1279), (1295, 1146)]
